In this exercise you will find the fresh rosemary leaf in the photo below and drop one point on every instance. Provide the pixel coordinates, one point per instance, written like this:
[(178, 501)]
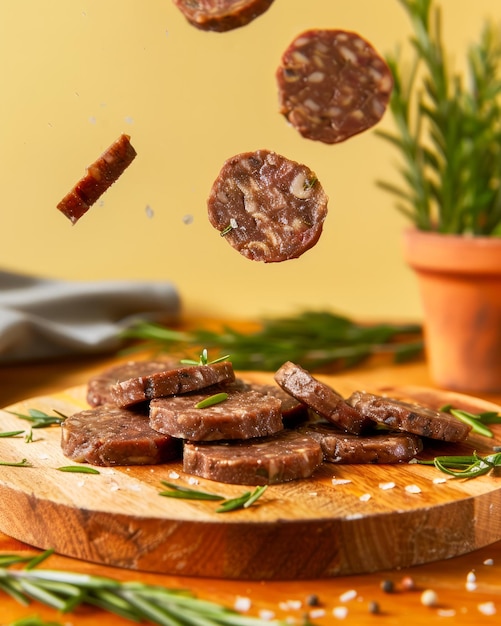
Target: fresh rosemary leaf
[(216, 398), (179, 491), (40, 419), (204, 359), (477, 421), (36, 560), (78, 469), (33, 620), (312, 339), (241, 502), (12, 433)]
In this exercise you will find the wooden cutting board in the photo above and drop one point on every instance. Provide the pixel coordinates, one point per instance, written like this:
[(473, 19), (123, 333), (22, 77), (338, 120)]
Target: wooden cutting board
[(345, 520)]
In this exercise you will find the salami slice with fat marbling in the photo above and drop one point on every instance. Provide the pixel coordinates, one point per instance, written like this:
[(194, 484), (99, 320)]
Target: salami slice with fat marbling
[(267, 207), (332, 84)]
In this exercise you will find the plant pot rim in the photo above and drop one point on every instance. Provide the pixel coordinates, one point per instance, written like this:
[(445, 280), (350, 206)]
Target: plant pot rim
[(464, 254)]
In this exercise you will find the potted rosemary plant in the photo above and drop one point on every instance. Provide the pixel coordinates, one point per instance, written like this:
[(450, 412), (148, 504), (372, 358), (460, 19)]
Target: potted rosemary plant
[(448, 134)]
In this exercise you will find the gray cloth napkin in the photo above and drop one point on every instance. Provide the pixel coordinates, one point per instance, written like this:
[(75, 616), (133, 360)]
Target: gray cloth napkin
[(42, 318)]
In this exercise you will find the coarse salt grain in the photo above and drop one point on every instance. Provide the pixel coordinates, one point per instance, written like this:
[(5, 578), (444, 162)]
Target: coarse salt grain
[(192, 480), (365, 497), (487, 608), (439, 480), (385, 486), (471, 577), (266, 614), (489, 562), (446, 612), (173, 475), (429, 598), (149, 211), (340, 612), (242, 604), (316, 613), (340, 481), (412, 489), (351, 594)]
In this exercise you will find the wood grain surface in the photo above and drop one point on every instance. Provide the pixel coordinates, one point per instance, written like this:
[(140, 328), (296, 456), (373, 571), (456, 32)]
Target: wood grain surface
[(118, 519)]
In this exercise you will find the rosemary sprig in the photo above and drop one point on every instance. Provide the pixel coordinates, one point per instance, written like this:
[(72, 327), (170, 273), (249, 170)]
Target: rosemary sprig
[(11, 433), (40, 419), (478, 421), (204, 359), (136, 601), (448, 134), (469, 466), (244, 501), (311, 339)]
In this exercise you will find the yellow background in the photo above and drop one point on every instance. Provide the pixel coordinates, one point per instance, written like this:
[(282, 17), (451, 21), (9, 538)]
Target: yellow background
[(75, 74)]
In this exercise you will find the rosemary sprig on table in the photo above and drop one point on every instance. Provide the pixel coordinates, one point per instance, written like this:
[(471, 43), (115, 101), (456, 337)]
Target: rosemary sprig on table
[(467, 466), (136, 601), (243, 501), (311, 339), (478, 421), (40, 419)]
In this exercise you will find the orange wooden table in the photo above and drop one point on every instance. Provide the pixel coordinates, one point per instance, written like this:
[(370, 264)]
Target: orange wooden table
[(468, 587)]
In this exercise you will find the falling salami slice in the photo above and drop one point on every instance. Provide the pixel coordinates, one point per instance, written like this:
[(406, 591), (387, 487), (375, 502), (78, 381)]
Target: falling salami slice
[(169, 382), (108, 435), (99, 177), (244, 414), (287, 456), (332, 85), (221, 15), (321, 398), (412, 418), (267, 207), (339, 447)]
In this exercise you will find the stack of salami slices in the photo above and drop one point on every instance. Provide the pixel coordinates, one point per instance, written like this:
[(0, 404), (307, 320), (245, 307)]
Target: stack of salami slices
[(229, 430)]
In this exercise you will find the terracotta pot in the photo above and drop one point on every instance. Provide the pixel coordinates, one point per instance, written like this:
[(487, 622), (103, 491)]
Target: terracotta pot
[(460, 283)]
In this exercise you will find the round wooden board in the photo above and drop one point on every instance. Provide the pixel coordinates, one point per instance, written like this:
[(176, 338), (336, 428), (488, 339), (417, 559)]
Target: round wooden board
[(345, 520)]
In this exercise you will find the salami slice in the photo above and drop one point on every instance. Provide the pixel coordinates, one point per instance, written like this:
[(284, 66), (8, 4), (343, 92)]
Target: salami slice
[(321, 398), (108, 435), (169, 382), (408, 417), (267, 207), (99, 177), (339, 447), (221, 15), (99, 386), (332, 85), (244, 414), (287, 456)]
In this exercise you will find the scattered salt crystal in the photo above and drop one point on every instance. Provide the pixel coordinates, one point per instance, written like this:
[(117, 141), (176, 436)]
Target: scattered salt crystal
[(242, 604), (487, 608), (192, 480), (348, 595), (173, 474), (114, 487), (412, 489), (365, 497), (439, 480), (385, 486), (43, 457), (429, 598), (266, 614), (149, 211), (187, 219), (489, 562), (471, 586), (313, 493), (471, 577), (81, 483), (340, 481), (92, 119), (233, 222), (287, 605), (340, 612), (135, 487), (129, 120), (317, 613), (446, 612)]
